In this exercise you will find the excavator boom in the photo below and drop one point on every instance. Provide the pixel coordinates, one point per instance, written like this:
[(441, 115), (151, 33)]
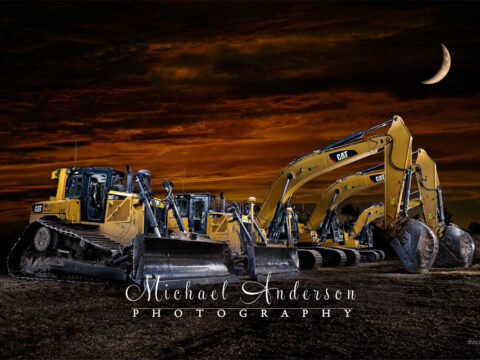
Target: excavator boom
[(456, 246)]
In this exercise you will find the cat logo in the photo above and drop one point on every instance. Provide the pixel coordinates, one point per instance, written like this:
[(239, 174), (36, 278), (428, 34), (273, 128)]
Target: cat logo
[(37, 208), (377, 178), (430, 215), (393, 201), (342, 155)]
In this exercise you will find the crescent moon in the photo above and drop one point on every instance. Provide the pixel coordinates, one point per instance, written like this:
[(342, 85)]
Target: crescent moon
[(443, 71)]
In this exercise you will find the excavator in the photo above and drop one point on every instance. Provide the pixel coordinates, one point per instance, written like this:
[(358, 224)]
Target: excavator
[(414, 242), (361, 229), (99, 227), (456, 246), (323, 218)]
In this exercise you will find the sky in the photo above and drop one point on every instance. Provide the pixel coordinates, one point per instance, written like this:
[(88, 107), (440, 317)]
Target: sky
[(222, 96)]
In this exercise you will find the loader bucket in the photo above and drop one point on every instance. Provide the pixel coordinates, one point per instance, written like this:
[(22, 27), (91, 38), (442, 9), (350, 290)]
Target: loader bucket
[(280, 262), (456, 248), (173, 262), (415, 244)]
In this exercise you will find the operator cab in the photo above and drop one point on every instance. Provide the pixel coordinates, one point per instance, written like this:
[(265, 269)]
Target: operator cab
[(91, 187), (195, 207)]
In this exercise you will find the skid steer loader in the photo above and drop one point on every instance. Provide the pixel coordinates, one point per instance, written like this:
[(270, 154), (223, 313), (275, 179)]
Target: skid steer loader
[(98, 227)]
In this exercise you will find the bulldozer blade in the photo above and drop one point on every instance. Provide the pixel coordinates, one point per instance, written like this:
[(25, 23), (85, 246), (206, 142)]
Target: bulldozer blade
[(456, 248), (169, 263), (279, 262), (415, 244)]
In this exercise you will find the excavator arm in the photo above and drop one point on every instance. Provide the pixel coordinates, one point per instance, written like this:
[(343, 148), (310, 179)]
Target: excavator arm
[(309, 166), (414, 242), (456, 247), (342, 189)]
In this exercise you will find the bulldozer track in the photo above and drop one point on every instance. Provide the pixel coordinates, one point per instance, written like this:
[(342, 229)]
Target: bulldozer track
[(96, 240)]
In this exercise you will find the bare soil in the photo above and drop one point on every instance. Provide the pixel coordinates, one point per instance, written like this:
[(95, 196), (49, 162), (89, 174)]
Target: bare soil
[(395, 315)]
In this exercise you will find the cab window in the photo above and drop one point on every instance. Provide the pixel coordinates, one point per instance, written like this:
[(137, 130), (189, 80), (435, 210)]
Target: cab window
[(96, 196), (182, 205), (118, 182), (74, 187)]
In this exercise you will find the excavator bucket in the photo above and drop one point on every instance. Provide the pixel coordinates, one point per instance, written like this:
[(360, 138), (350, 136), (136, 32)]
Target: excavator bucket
[(280, 262), (172, 262), (415, 244), (456, 248)]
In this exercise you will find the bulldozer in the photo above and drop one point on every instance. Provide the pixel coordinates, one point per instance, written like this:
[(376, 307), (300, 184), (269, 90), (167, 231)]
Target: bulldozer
[(413, 241), (100, 227), (253, 254)]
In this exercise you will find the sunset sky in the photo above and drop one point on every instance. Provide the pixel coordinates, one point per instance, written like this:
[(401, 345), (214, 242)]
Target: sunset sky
[(230, 93)]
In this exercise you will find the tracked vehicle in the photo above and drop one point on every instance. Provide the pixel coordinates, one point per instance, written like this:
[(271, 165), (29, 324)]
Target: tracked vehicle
[(99, 227), (253, 254), (415, 244)]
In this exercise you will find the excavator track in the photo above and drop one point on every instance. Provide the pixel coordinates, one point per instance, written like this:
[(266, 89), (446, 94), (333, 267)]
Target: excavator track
[(310, 259), (370, 256), (331, 257), (23, 263), (353, 256)]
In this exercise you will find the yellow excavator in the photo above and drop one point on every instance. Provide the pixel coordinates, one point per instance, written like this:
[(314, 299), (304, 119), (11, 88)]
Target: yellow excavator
[(323, 221), (361, 229), (456, 246), (414, 242), (100, 226)]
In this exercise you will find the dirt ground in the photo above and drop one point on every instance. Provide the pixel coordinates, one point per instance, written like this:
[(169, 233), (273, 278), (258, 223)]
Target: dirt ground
[(395, 315)]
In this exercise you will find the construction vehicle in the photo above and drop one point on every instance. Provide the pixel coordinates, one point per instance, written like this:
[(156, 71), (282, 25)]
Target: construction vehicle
[(413, 241), (253, 254), (361, 229), (456, 246), (324, 221), (98, 227)]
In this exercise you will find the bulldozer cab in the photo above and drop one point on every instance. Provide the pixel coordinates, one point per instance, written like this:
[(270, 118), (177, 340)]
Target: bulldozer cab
[(195, 207), (91, 187)]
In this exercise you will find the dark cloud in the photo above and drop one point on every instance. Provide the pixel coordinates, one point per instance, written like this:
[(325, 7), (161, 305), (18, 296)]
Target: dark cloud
[(231, 92)]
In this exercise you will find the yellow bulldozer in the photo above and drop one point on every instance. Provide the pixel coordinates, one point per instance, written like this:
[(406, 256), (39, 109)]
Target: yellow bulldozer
[(253, 254), (99, 225)]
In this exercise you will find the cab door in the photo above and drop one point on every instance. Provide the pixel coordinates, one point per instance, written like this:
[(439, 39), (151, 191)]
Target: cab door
[(198, 213), (94, 202)]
